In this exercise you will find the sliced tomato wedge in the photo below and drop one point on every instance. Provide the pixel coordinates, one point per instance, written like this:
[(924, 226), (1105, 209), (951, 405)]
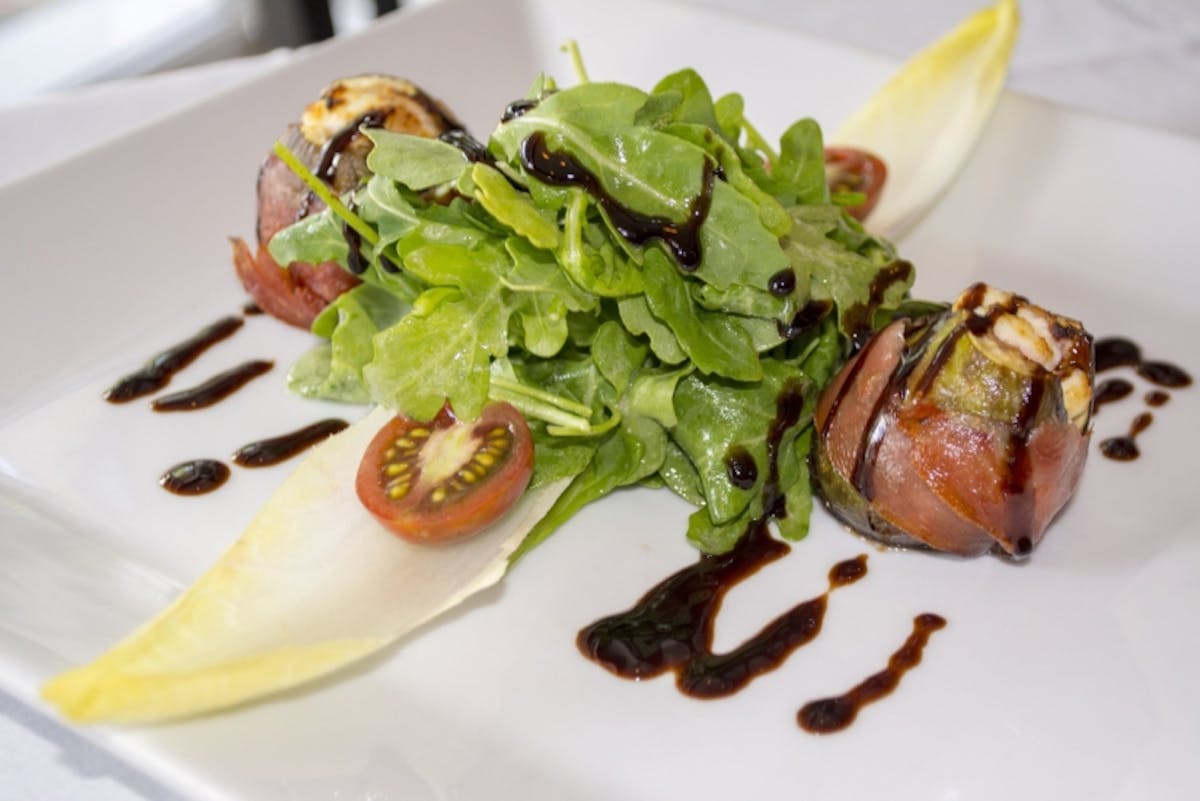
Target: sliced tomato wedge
[(849, 169), (447, 478)]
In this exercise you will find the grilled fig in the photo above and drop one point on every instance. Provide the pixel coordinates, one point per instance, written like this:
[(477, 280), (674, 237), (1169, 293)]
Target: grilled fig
[(961, 432), (329, 142)]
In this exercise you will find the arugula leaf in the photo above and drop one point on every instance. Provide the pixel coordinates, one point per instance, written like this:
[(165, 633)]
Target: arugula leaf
[(315, 239), (441, 350), (513, 209), (333, 370), (415, 161), (634, 451), (714, 342)]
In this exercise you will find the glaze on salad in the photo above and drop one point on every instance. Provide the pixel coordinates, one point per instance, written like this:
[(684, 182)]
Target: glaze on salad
[(637, 272)]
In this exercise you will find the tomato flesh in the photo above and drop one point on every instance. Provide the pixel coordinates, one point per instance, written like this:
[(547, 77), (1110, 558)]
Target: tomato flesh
[(850, 169), (446, 479)]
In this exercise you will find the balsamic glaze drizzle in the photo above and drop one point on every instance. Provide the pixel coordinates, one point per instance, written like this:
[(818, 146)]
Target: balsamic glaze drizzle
[(266, 452), (356, 263), (194, 477), (859, 319), (163, 366), (331, 152), (1115, 352), (671, 627), (213, 390), (1110, 391), (1157, 398), (517, 108), (782, 283), (560, 168), (828, 715), (806, 319), (740, 467), (472, 149), (1121, 352), (1125, 449)]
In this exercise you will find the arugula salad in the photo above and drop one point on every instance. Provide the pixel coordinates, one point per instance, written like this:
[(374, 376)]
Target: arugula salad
[(482, 280)]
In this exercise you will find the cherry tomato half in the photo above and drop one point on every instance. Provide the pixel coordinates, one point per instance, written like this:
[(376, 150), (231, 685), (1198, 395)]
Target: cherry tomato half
[(849, 169), (446, 479)]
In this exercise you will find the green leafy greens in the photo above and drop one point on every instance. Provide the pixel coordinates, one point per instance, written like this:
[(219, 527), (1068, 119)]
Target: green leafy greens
[(486, 281)]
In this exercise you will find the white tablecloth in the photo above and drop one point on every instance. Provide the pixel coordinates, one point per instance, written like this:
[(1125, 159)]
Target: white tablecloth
[(1137, 60)]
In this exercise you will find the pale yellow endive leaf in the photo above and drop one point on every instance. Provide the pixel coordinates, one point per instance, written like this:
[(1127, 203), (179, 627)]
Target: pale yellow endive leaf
[(313, 584), (926, 119)]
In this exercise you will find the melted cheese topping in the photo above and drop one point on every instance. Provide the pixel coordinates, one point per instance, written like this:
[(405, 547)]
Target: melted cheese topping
[(1025, 337)]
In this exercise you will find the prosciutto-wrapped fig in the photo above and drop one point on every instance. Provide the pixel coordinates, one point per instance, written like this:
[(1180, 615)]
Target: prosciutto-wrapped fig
[(329, 142), (961, 432)]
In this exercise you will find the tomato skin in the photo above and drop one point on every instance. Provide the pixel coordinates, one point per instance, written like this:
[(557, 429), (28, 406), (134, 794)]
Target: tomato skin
[(850, 169), (446, 479)]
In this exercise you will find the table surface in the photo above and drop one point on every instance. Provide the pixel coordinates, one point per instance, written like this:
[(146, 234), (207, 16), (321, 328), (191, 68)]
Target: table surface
[(1137, 60)]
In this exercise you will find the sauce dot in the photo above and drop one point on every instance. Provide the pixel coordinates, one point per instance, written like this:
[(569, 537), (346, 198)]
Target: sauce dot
[(194, 477), (740, 467)]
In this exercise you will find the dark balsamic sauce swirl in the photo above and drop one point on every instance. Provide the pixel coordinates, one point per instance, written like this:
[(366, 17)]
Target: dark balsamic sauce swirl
[(163, 366), (332, 150), (331, 153), (472, 149), (1110, 391), (517, 108), (671, 627), (1164, 374), (1157, 397), (273, 450), (740, 467), (1125, 449), (858, 320), (194, 477), (356, 263), (828, 715), (213, 390), (560, 168), (1114, 352), (806, 319), (782, 283)]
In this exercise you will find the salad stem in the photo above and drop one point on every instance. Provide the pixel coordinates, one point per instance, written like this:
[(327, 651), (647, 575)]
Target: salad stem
[(571, 48), (322, 191), (564, 417), (539, 410), (558, 401)]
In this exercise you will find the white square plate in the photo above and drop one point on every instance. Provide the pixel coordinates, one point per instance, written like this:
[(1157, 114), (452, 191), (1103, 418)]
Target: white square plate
[(1070, 676)]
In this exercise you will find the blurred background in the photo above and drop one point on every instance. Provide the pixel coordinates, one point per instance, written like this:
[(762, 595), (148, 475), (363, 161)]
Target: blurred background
[(1137, 59), (77, 42)]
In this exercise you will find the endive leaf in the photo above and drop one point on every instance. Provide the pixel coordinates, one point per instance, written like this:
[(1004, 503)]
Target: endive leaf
[(927, 117), (313, 584)]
